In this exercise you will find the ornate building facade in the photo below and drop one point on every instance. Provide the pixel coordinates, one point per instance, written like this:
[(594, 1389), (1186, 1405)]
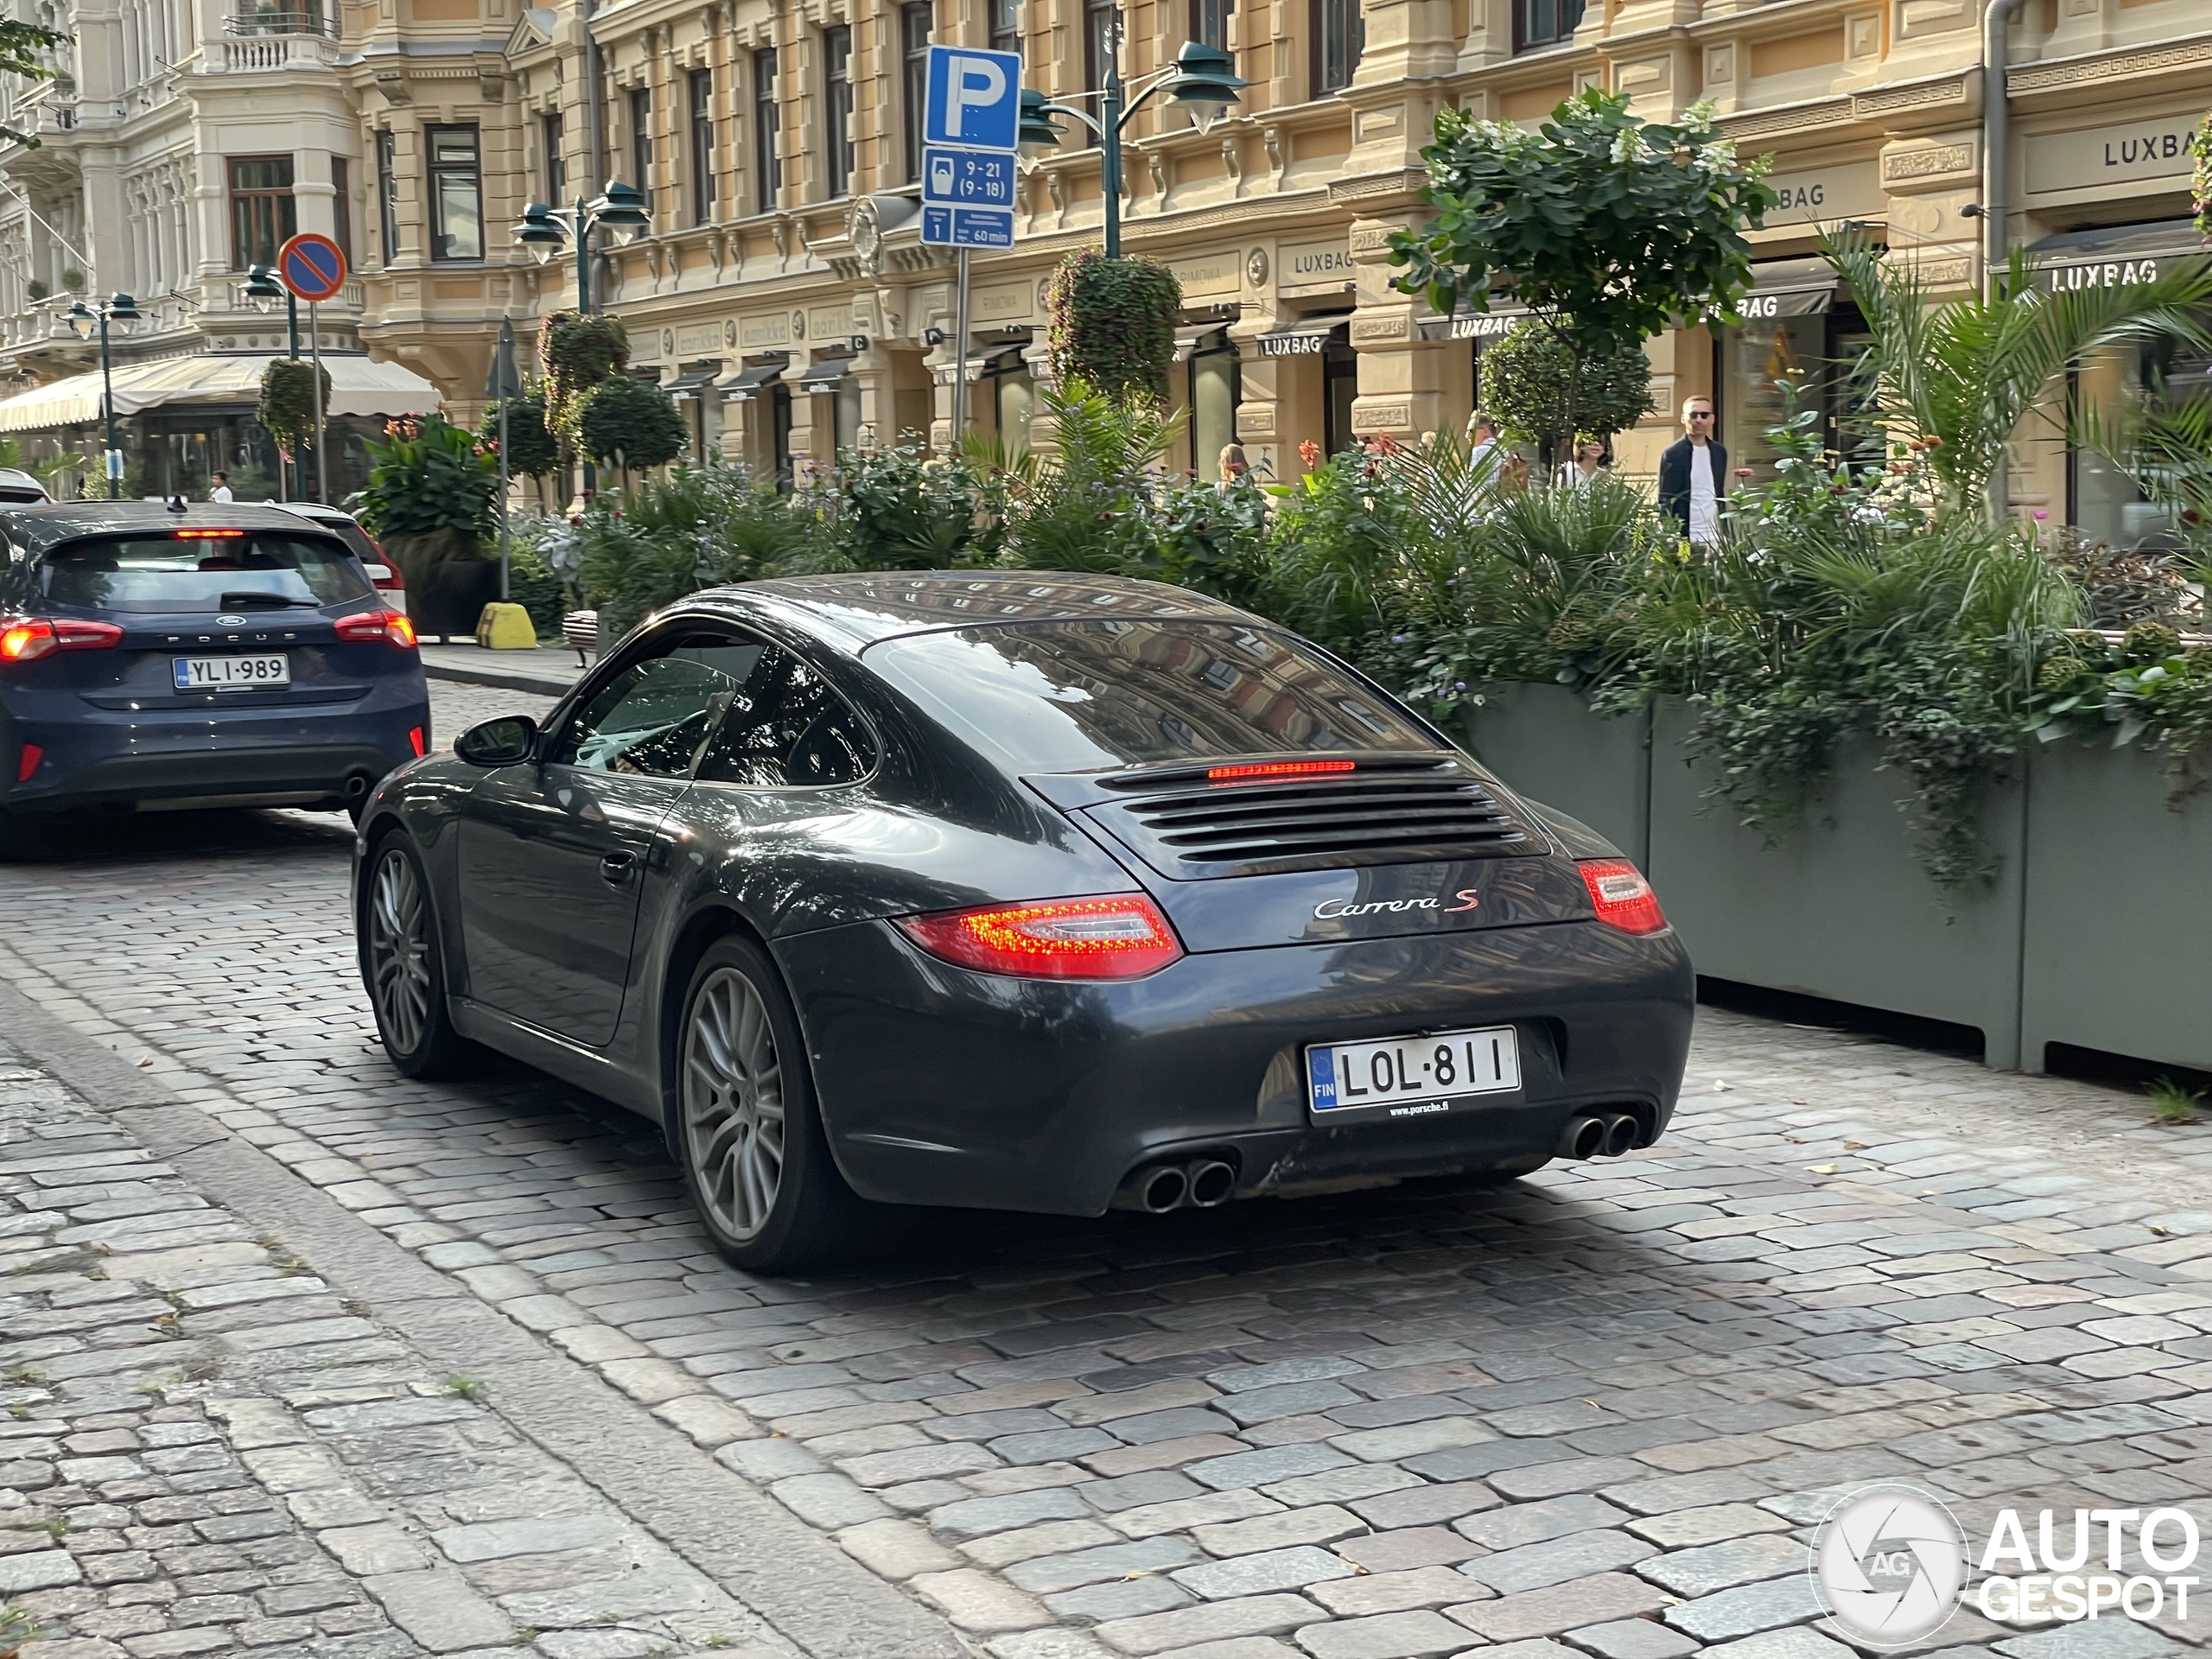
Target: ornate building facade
[(784, 294)]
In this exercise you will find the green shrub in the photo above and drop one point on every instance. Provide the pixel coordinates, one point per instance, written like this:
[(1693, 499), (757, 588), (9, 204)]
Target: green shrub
[(531, 449), (697, 528), (430, 477), (287, 408), (1544, 386)]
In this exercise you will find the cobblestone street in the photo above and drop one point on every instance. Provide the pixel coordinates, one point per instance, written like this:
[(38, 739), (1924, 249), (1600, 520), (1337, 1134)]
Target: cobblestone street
[(303, 1357)]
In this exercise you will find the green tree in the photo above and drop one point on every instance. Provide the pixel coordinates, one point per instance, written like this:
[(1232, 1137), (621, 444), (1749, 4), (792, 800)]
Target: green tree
[(633, 421), (28, 51), (1539, 388), (1960, 376), (1609, 228)]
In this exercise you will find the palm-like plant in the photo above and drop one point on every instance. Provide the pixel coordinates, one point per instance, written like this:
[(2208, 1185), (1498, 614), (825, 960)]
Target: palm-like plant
[(1966, 373)]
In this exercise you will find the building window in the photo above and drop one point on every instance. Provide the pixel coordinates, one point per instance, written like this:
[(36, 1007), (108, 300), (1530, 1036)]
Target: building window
[(768, 167), (915, 22), (1339, 32), (702, 146), (262, 215), (837, 105), (556, 166), (387, 196), (1544, 23), (456, 194), (1006, 25), (641, 140), (342, 207), (1210, 22), (1101, 39)]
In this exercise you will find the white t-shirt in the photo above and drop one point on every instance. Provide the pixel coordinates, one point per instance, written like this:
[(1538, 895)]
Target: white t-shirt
[(1705, 505), (220, 493)]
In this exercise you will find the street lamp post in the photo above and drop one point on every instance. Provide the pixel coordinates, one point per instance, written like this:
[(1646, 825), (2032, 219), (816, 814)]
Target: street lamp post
[(122, 310), (1200, 74), (263, 290), (619, 209)]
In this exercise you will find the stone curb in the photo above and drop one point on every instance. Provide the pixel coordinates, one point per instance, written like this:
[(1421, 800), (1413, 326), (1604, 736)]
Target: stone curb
[(819, 1598), (505, 679)]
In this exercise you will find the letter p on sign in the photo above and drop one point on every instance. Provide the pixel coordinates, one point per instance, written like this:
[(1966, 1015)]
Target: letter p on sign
[(975, 99)]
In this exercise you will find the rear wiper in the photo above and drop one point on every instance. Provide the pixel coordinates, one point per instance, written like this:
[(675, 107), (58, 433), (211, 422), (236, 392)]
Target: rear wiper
[(266, 602)]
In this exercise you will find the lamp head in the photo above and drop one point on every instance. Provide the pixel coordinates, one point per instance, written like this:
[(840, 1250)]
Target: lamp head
[(122, 309), (80, 319), (262, 292), (620, 210), (1037, 119), (1202, 75), (540, 232)]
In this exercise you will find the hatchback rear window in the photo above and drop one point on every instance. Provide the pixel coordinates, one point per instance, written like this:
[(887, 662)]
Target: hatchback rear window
[(1072, 696), (255, 570)]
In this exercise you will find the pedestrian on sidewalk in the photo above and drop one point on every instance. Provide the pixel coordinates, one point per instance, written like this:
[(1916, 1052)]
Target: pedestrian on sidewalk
[(221, 491), (1690, 494)]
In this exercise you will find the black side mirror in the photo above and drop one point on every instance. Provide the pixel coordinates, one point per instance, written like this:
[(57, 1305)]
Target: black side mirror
[(507, 741)]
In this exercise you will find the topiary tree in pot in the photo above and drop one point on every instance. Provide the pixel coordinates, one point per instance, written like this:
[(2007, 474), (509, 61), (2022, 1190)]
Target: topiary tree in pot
[(532, 450), (429, 501), (631, 423), (579, 353), (1542, 390)]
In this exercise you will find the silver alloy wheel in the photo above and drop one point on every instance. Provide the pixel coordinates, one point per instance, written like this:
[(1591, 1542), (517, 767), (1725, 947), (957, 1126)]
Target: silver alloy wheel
[(399, 951), (734, 1103)]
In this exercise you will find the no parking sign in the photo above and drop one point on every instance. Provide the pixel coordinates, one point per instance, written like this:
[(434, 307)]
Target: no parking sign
[(312, 267)]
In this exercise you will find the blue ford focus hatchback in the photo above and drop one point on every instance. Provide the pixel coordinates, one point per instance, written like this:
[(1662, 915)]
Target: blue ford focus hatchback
[(217, 655)]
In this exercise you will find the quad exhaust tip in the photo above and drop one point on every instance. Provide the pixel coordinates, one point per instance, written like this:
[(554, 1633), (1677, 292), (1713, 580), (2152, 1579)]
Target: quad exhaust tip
[(1197, 1183), (1608, 1135)]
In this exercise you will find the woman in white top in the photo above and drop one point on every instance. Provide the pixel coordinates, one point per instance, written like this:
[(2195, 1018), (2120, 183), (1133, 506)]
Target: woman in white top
[(1588, 462)]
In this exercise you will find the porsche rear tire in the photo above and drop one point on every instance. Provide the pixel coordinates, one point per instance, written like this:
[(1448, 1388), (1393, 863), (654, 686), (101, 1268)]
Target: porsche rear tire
[(744, 1125)]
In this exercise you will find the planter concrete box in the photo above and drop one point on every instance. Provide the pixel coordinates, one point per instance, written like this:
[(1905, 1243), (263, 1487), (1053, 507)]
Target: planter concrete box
[(2119, 937), (1839, 908), (1544, 742)]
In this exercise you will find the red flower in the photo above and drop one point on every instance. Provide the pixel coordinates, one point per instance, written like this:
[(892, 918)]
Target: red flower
[(1310, 453)]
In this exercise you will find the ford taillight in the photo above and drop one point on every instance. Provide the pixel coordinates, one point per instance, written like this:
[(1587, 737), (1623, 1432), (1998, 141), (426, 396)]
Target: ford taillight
[(1621, 896), (26, 639), (1120, 935), (391, 627)]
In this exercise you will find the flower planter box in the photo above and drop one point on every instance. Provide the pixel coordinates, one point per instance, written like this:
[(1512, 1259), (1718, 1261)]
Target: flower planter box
[(1839, 908), (2118, 946), (1545, 743)]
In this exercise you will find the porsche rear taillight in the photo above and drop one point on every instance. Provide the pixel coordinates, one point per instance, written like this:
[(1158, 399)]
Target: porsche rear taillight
[(1621, 896), (26, 639), (1120, 935), (391, 627)]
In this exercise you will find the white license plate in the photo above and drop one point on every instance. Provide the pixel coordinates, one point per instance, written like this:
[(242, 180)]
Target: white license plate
[(233, 673), (1409, 1076)]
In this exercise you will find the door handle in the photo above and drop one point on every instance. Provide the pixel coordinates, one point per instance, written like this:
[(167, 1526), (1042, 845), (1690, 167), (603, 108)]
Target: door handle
[(615, 868)]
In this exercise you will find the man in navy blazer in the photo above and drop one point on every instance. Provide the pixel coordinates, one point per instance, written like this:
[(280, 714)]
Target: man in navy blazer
[(1693, 475)]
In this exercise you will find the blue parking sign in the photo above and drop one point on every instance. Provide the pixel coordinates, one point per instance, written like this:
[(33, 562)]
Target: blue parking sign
[(968, 227), (974, 178), (975, 99)]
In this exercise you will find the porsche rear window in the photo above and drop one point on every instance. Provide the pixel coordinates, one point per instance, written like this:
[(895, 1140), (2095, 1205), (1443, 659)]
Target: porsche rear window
[(256, 569), (1071, 696)]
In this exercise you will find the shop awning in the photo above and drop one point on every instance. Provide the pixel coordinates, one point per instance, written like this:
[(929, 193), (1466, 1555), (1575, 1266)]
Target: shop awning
[(694, 380), (828, 375), (1306, 339), (1189, 341), (1788, 287), (2115, 256), (744, 386), (358, 386), (1472, 325)]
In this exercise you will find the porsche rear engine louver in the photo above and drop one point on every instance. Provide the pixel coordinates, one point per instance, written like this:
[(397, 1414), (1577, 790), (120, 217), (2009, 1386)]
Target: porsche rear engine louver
[(1377, 815)]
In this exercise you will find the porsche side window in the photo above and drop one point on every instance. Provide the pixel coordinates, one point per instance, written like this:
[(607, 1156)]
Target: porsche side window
[(785, 726), (651, 719)]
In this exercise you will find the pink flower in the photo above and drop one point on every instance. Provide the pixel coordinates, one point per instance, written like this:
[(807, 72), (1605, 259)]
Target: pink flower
[(1743, 472), (2040, 514)]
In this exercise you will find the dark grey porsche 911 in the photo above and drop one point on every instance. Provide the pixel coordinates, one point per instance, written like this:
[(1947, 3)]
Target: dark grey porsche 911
[(1018, 892)]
